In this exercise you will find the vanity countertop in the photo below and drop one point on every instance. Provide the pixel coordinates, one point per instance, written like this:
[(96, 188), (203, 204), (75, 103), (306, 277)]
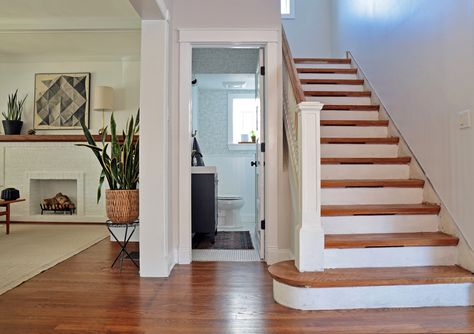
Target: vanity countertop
[(203, 170)]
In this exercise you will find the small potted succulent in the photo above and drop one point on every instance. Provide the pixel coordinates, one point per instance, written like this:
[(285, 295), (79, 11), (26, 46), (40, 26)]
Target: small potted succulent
[(12, 123), (253, 136)]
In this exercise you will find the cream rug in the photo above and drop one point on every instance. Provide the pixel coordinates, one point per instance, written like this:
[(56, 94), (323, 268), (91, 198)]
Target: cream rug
[(30, 249)]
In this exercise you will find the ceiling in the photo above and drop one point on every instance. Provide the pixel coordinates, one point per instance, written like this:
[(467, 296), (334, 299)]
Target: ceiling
[(67, 30)]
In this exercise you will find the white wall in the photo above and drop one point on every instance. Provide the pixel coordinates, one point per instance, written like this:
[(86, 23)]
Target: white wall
[(123, 76), (309, 33), (419, 56)]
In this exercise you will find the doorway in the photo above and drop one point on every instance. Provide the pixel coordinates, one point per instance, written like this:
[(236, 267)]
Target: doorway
[(227, 177)]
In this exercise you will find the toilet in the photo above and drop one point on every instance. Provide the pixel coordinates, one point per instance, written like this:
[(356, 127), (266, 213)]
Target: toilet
[(229, 212)]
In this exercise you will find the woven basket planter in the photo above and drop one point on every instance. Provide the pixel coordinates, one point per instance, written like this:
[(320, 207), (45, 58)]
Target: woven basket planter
[(122, 205)]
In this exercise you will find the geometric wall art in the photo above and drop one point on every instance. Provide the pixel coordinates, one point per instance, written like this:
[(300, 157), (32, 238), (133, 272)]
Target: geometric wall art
[(61, 100)]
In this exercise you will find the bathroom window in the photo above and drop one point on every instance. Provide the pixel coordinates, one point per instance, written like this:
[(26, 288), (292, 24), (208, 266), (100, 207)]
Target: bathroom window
[(288, 9), (242, 119)]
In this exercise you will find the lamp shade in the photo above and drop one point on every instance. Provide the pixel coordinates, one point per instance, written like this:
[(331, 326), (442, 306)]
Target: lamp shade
[(103, 98)]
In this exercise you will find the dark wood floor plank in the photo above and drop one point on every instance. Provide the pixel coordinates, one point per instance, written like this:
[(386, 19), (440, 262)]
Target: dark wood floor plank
[(83, 295)]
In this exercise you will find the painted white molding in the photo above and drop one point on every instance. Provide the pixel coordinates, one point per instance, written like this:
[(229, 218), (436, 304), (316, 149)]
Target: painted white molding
[(32, 26), (310, 246), (392, 296), (270, 40), (151, 9)]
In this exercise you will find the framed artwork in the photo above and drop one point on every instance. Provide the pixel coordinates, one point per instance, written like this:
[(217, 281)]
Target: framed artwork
[(61, 100)]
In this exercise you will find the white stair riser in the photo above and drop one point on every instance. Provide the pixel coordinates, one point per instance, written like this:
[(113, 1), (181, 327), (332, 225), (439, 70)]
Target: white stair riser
[(327, 76), (389, 257), (333, 88), (340, 100), (351, 115), (360, 297), (322, 65), (363, 172), (359, 150), (380, 224), (375, 196), (354, 131)]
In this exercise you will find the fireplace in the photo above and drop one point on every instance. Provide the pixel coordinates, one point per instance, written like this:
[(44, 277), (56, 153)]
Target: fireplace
[(43, 185)]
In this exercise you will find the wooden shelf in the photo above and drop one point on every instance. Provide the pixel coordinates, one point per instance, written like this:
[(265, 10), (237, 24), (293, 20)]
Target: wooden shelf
[(49, 138)]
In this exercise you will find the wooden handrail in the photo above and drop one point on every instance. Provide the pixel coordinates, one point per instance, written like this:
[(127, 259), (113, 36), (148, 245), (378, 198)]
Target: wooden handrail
[(290, 64)]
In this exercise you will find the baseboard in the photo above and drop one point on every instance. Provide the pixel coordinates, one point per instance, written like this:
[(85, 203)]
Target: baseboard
[(274, 255), (184, 256)]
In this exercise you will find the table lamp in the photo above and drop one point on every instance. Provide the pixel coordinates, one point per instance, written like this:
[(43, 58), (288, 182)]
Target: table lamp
[(103, 101)]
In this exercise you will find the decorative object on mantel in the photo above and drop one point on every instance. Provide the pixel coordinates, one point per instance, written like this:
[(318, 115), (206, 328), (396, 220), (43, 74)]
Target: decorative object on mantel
[(12, 123), (120, 168), (31, 132), (59, 203), (61, 100), (103, 101)]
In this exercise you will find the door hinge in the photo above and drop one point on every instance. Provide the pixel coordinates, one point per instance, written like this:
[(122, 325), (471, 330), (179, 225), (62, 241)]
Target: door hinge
[(262, 224), (262, 70), (262, 147)]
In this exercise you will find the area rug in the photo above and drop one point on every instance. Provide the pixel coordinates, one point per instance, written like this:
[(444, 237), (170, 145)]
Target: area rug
[(225, 240), (30, 249)]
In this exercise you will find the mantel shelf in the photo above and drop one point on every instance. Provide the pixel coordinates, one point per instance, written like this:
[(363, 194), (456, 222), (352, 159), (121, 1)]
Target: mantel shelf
[(50, 138)]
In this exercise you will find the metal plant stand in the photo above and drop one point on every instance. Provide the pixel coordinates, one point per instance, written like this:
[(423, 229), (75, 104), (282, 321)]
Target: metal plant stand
[(123, 243)]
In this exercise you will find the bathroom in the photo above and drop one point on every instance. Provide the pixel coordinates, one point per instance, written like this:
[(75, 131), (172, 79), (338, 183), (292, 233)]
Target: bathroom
[(225, 122)]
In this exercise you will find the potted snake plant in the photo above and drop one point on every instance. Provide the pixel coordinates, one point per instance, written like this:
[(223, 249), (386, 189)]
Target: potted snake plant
[(119, 160), (12, 123)]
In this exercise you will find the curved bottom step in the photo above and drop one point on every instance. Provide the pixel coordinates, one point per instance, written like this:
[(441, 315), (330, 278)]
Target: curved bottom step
[(355, 288)]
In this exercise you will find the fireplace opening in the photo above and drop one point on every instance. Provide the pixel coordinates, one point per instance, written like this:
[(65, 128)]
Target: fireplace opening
[(45, 198)]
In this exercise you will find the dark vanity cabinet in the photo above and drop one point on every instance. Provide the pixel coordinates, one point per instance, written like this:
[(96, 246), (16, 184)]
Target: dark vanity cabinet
[(204, 202)]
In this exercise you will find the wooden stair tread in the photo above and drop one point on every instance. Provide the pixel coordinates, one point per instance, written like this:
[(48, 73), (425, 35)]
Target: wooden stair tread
[(334, 93), (354, 122), (386, 209), (410, 183), (384, 140), (366, 161), (332, 81), (352, 107), (418, 239), (286, 272), (327, 70), (322, 60)]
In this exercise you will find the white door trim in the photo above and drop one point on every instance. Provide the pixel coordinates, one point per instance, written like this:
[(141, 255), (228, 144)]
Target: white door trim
[(270, 40)]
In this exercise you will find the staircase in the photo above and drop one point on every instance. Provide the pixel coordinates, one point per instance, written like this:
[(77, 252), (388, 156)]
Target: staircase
[(382, 247)]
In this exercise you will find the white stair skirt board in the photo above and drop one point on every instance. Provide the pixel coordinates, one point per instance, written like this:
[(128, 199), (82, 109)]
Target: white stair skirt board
[(327, 76), (389, 257), (364, 172), (340, 99), (333, 88), (354, 131), (380, 224), (371, 196), (352, 115), (359, 151), (226, 255), (321, 65), (392, 296)]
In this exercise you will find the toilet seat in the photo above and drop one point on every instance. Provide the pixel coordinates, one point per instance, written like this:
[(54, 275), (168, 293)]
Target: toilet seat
[(229, 198)]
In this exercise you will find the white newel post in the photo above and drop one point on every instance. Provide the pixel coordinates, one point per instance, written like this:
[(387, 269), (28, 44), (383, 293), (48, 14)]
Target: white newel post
[(310, 234)]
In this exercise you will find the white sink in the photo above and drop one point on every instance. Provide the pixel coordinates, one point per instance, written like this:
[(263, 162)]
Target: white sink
[(204, 170)]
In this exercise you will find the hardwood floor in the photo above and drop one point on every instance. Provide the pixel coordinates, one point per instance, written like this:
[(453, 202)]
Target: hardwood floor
[(83, 295)]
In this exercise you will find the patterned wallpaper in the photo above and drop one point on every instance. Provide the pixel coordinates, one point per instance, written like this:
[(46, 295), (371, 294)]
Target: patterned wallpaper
[(223, 61), (213, 126)]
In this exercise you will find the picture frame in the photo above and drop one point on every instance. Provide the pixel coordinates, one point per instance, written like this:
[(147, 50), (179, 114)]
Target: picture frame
[(62, 101)]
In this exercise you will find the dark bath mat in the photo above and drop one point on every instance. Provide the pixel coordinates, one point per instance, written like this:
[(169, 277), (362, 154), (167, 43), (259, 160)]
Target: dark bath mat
[(224, 240)]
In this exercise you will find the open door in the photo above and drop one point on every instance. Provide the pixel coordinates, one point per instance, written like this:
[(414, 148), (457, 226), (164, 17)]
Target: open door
[(260, 156)]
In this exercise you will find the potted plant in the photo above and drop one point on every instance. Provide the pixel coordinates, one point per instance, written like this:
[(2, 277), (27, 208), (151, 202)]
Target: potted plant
[(12, 123), (119, 160), (253, 136)]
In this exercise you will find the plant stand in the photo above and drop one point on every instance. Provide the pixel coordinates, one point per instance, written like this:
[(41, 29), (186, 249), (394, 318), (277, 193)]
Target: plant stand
[(123, 243)]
